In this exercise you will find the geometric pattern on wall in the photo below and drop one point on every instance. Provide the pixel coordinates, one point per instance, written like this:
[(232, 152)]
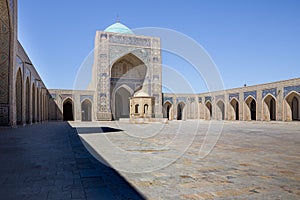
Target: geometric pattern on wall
[(272, 91), (181, 99), (208, 98), (4, 62), (289, 89), (199, 99), (220, 97), (251, 93), (192, 99), (234, 95), (90, 97), (65, 96), (170, 99)]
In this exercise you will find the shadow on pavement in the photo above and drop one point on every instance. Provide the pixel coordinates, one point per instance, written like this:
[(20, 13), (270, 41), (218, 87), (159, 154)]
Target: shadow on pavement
[(49, 161), (86, 130), (100, 181)]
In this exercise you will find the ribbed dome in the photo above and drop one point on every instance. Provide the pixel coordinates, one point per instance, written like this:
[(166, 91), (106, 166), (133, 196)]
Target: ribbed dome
[(118, 28)]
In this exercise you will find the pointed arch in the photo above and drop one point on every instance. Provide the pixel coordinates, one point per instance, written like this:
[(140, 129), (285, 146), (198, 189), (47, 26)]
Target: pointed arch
[(269, 108), (41, 105), (292, 112), (250, 108), (146, 107), (181, 111), (68, 109), (38, 104), (221, 110), (129, 56), (33, 104), (127, 72), (19, 97), (167, 110), (234, 109), (120, 102), (208, 110), (86, 110), (27, 104), (136, 108)]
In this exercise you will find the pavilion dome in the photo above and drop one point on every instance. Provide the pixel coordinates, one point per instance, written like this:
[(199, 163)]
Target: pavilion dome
[(141, 94), (118, 28)]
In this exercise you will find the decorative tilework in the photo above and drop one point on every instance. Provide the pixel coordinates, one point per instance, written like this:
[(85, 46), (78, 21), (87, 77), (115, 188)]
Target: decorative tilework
[(183, 99), (4, 115), (170, 99), (156, 96), (272, 91), (90, 97), (234, 95), (289, 89), (199, 99), (102, 94), (118, 51), (103, 36), (247, 94), (64, 96), (4, 61), (220, 97), (192, 99), (53, 96), (208, 98), (11, 5), (118, 39), (155, 77)]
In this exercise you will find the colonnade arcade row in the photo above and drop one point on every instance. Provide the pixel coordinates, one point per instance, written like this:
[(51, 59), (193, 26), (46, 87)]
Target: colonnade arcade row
[(260, 105), (250, 108), (69, 107), (31, 100)]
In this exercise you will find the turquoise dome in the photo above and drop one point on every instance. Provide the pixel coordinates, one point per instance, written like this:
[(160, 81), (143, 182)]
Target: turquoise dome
[(118, 28)]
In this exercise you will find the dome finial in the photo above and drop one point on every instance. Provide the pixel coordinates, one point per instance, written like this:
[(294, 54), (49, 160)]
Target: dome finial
[(118, 18)]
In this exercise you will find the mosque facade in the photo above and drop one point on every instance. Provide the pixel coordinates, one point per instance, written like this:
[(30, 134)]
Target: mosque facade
[(126, 83)]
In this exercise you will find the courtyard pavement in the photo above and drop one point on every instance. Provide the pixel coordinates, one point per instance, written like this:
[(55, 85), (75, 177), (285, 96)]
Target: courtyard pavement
[(49, 161), (251, 160), (179, 160)]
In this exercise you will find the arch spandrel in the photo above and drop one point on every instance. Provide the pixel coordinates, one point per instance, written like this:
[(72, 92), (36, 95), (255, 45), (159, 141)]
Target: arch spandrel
[(117, 52)]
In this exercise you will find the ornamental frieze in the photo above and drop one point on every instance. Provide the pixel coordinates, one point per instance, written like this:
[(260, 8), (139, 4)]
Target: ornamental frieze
[(118, 39)]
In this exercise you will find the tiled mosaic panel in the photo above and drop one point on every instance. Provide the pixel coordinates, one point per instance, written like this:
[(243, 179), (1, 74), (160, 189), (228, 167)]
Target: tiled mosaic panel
[(90, 97), (234, 95), (192, 99), (250, 93), (289, 89), (208, 98), (118, 39), (272, 91), (4, 52), (179, 99), (170, 99), (4, 61), (220, 97)]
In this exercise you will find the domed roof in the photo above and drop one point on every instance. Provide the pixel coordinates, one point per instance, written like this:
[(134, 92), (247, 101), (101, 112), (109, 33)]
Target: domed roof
[(141, 94), (118, 28)]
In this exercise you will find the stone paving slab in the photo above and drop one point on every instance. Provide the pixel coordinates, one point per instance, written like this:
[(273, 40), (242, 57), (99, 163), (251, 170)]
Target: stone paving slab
[(251, 160), (49, 161)]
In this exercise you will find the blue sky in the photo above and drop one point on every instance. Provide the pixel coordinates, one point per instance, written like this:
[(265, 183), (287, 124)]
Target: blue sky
[(251, 42)]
